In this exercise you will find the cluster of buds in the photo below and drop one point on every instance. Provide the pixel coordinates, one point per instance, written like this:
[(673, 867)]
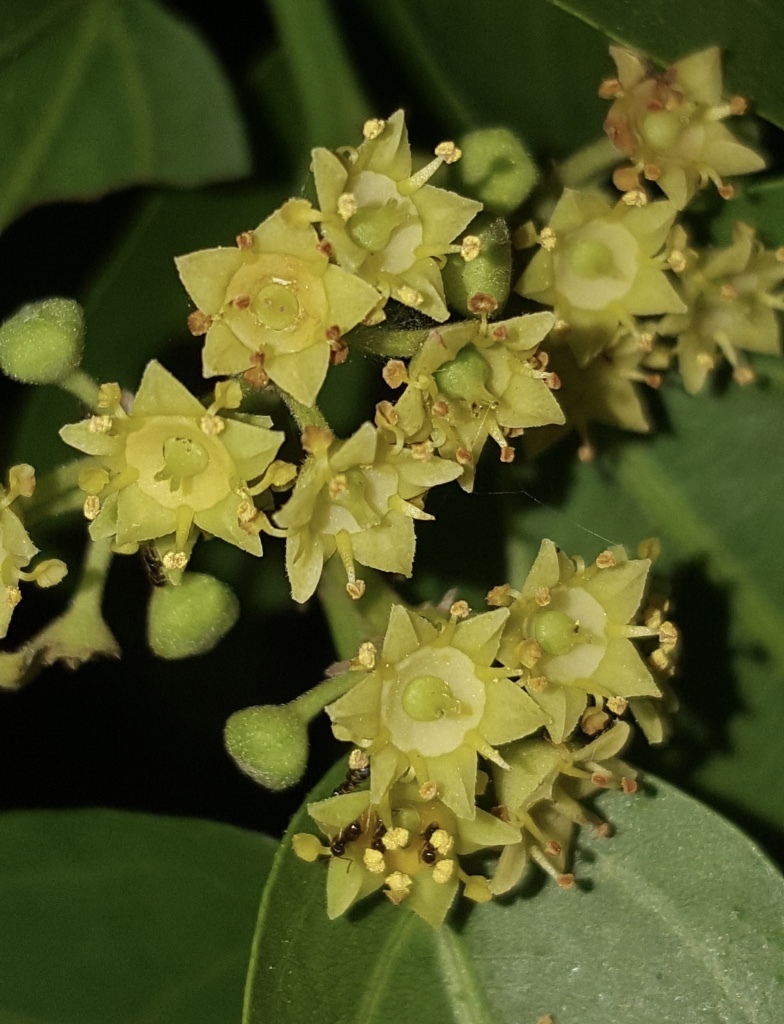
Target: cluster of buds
[(485, 731)]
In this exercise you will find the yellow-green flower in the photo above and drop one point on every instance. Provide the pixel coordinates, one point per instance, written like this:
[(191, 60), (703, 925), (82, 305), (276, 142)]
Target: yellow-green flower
[(274, 306), (669, 123), (540, 796), (171, 467), (16, 548), (432, 702), (386, 224), (570, 632), (470, 381), (358, 497), (730, 306), (599, 267), (411, 846)]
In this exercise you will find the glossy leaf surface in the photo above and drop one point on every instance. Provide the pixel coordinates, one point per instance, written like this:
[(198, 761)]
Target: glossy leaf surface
[(127, 918), (98, 95), (679, 918)]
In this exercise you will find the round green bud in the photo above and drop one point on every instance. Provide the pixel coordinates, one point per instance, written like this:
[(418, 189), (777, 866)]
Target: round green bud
[(42, 343), (496, 169), (190, 618), (489, 273), (465, 377), (269, 743)]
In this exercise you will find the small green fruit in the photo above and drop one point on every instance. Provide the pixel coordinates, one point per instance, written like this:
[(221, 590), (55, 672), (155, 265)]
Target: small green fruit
[(191, 618), (269, 743), (490, 273), (42, 343)]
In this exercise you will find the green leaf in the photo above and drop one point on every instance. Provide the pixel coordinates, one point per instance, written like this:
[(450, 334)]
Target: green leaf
[(331, 97), (669, 29), (708, 489), (680, 918), (524, 65), (110, 916), (100, 94)]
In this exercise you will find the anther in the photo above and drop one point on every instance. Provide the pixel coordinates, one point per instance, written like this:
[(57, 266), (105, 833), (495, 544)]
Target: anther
[(443, 871), (448, 152), (212, 425), (460, 610), (463, 456), (395, 373), (346, 206), (91, 507), (629, 786), (175, 560), (542, 596), (606, 560), (470, 248), (374, 861), (410, 296), (428, 790), (373, 127), (100, 424), (199, 323), (547, 239), (244, 240)]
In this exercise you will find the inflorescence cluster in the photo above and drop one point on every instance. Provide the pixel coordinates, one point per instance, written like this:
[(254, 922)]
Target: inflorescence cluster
[(469, 731)]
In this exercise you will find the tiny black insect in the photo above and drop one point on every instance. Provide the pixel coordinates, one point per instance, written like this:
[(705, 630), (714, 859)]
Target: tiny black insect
[(156, 574)]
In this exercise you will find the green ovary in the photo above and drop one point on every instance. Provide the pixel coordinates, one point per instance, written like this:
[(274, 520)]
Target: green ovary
[(276, 306), (661, 129), (372, 227), (184, 458), (465, 377), (555, 632), (428, 698), (591, 258)]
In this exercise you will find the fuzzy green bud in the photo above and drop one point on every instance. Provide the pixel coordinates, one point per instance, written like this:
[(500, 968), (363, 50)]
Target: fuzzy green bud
[(42, 343), (269, 743), (465, 377), (496, 169), (191, 618), (490, 273)]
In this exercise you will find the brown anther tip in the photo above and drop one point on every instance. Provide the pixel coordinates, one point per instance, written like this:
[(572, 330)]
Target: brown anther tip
[(553, 849), (513, 432), (422, 451), (244, 240), (356, 589), (654, 380), (499, 333), (553, 381), (610, 89), (726, 191), (507, 454), (386, 414), (501, 812), (738, 105), (743, 375), (565, 881), (625, 179), (603, 829), (482, 302), (256, 376), (651, 172), (241, 301), (629, 786), (440, 408), (600, 780), (333, 333), (338, 352), (537, 683), (324, 247), (463, 456), (586, 452), (728, 292), (561, 327), (395, 373), (199, 323)]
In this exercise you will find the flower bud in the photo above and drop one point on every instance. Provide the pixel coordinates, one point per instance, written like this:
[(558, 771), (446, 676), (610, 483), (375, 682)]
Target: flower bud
[(269, 743), (489, 273), (42, 343), (191, 618), (496, 169)]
